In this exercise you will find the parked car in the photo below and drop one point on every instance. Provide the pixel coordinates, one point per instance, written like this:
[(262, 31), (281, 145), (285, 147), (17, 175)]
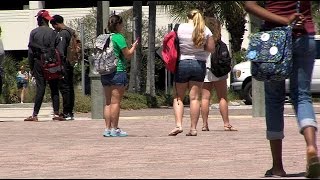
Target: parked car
[(242, 81)]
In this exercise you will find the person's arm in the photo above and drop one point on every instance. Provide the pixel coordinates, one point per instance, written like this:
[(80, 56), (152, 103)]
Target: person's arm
[(253, 8), (122, 44), (31, 53), (128, 53), (210, 45)]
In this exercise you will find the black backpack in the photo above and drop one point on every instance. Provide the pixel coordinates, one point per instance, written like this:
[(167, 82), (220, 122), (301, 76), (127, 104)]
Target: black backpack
[(220, 60)]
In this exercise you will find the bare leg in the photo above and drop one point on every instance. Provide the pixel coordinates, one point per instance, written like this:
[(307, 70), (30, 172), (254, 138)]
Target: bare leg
[(107, 112), (195, 89), (313, 164), (116, 97), (309, 134), (221, 89), (178, 108), (178, 102), (205, 103), (23, 92), (276, 150)]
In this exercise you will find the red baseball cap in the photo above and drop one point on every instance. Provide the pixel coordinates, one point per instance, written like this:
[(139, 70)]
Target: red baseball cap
[(44, 14)]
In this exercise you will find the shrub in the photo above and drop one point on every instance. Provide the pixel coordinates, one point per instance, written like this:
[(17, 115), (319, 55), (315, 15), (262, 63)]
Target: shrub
[(232, 96), (9, 88), (133, 101), (239, 56), (82, 102)]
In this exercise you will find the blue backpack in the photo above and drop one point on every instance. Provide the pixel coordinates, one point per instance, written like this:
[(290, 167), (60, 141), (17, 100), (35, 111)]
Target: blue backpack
[(270, 53)]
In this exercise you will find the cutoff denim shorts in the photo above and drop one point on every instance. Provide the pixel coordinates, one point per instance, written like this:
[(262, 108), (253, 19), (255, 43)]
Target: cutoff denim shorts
[(115, 79), (190, 70)]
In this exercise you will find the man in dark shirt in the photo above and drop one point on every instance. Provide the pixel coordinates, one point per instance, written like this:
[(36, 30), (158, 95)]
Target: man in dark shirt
[(43, 36), (66, 87)]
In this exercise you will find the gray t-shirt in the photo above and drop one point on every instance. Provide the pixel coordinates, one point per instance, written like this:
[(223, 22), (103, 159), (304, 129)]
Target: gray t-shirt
[(187, 48)]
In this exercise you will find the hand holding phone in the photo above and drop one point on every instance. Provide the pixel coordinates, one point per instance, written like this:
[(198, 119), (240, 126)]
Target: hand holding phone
[(137, 40)]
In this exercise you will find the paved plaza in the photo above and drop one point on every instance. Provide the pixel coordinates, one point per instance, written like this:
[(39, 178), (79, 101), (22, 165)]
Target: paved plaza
[(77, 149)]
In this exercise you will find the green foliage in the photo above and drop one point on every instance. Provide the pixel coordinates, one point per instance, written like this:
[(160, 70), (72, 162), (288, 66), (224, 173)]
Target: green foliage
[(239, 56), (77, 72), (133, 101), (9, 88), (90, 25), (31, 94), (231, 96), (25, 63), (315, 5), (82, 102)]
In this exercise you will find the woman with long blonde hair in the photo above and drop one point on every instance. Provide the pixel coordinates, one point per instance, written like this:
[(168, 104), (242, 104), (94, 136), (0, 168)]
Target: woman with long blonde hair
[(196, 43)]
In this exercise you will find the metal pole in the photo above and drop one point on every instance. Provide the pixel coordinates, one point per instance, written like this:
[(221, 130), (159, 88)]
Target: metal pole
[(134, 37), (82, 57), (170, 27), (258, 94), (97, 96), (167, 74)]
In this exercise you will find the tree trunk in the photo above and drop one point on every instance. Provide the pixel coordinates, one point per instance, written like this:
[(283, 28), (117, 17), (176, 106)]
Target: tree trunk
[(135, 75), (150, 85)]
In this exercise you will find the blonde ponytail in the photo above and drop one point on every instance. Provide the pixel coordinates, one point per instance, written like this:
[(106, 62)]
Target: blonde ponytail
[(199, 25)]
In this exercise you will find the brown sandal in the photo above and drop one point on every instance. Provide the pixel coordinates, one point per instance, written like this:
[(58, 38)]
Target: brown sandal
[(31, 118), (192, 133), (176, 131), (229, 128), (205, 128)]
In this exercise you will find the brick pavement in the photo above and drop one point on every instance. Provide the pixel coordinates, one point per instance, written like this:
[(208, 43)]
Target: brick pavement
[(76, 149)]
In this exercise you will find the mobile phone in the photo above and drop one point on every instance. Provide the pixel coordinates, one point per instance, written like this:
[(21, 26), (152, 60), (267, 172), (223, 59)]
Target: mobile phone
[(137, 40)]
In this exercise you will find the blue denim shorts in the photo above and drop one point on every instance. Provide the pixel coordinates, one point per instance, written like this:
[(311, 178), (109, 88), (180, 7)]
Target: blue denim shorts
[(114, 79), (190, 70)]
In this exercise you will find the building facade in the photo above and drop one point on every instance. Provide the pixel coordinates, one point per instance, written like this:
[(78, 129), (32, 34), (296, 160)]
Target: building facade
[(16, 25)]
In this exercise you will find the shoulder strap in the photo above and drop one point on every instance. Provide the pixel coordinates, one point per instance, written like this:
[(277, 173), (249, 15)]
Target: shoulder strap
[(176, 26), (108, 41), (71, 34)]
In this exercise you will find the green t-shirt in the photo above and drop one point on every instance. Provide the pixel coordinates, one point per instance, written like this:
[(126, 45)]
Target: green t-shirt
[(119, 42)]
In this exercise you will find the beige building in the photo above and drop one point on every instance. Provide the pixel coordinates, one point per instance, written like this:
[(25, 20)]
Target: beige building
[(17, 24)]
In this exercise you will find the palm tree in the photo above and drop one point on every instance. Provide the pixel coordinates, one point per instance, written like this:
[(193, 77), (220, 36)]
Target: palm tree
[(230, 13), (150, 84), (135, 80)]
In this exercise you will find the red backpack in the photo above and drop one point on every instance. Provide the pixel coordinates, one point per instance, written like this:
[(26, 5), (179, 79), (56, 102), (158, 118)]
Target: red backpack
[(170, 49)]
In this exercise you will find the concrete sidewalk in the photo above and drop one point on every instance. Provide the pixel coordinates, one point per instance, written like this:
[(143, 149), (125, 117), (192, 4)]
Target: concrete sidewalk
[(77, 149)]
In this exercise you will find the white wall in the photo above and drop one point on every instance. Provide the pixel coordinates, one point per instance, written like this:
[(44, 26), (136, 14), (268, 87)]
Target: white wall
[(16, 25)]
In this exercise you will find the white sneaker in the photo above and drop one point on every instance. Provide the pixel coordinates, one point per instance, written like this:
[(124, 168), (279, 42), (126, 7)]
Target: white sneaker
[(107, 133), (118, 132)]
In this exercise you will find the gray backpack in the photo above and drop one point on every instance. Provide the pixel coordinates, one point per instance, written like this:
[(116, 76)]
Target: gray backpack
[(104, 58)]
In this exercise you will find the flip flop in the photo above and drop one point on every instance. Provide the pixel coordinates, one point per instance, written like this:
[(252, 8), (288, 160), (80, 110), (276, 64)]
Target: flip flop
[(229, 128), (270, 174), (313, 169), (176, 131), (205, 128)]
